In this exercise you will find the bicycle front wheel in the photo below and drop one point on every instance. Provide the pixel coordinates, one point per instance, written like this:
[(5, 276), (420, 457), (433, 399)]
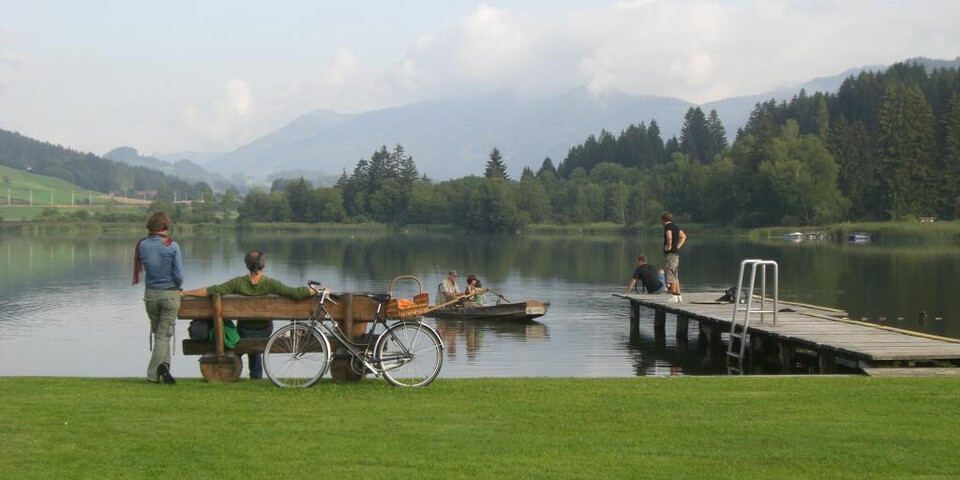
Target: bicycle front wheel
[(409, 354), (296, 356)]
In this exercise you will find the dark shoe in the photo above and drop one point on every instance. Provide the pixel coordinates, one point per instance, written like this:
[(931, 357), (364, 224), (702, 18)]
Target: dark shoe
[(163, 371)]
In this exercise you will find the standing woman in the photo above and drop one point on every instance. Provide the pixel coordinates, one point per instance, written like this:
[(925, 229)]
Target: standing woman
[(160, 259)]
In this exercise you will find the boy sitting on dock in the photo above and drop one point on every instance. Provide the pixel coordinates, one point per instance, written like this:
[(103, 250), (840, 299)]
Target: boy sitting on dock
[(647, 275)]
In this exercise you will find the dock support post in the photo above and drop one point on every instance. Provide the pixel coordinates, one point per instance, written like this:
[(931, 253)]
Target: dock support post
[(683, 329), (827, 362), (786, 357), (634, 323), (660, 328)]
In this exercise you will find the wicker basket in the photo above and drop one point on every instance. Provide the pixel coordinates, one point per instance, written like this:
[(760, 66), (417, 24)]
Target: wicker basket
[(421, 301)]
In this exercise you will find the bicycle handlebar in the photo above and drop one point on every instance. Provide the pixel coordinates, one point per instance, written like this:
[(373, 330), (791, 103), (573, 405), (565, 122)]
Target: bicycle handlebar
[(324, 292)]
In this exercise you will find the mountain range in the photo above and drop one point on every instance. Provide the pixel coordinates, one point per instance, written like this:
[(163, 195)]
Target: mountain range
[(183, 168), (452, 137)]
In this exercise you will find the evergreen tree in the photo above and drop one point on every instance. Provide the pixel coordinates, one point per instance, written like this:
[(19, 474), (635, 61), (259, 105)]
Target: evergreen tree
[(950, 189), (716, 133), (695, 136), (381, 168), (495, 166), (857, 179), (906, 139), (654, 149), (672, 146), (547, 167), (821, 118)]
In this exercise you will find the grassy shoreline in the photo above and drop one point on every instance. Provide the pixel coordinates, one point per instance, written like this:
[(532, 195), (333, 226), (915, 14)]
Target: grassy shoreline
[(692, 427)]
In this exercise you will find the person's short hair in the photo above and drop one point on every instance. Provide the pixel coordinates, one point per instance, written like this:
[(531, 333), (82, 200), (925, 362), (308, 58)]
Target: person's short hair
[(254, 260), (666, 217), (471, 278), (158, 222), (642, 259), (452, 273)]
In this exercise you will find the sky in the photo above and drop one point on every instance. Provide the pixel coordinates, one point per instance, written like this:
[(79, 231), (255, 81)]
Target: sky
[(214, 75)]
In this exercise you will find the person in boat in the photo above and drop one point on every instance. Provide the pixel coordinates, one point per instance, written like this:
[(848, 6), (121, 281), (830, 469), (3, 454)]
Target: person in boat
[(255, 284), (449, 290), (647, 276), (159, 258), (474, 292)]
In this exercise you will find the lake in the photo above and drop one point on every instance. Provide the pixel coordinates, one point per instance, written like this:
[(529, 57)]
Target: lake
[(67, 306)]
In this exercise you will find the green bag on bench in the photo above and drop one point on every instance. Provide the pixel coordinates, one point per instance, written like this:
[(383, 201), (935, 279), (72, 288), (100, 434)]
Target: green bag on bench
[(230, 334)]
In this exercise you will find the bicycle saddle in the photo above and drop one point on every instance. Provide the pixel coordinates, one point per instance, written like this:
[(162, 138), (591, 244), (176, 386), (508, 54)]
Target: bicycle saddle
[(380, 297)]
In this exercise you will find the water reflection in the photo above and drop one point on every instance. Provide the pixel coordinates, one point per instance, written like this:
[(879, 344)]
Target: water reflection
[(471, 335)]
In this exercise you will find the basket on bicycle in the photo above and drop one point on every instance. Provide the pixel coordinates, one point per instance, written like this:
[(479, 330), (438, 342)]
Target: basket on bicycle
[(401, 308)]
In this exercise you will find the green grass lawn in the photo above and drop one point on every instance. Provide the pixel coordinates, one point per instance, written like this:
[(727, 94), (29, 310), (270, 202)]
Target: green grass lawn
[(799, 427)]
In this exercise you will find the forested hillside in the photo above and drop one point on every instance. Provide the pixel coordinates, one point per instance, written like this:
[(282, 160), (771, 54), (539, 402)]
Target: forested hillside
[(88, 170), (885, 146)]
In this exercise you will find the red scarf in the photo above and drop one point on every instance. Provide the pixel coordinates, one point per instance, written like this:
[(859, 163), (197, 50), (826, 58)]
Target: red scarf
[(137, 263)]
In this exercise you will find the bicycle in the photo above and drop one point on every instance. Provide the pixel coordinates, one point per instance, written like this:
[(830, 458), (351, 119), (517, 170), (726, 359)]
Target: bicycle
[(406, 353)]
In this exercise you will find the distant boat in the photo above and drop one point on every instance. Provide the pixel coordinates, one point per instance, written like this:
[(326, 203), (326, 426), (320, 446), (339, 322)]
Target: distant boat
[(515, 312), (859, 237), (793, 237)]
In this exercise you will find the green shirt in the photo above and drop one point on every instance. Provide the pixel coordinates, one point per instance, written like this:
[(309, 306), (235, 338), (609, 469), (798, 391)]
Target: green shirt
[(266, 286)]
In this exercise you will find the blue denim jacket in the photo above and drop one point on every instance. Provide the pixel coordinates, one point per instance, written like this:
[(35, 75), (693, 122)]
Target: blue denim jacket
[(162, 264)]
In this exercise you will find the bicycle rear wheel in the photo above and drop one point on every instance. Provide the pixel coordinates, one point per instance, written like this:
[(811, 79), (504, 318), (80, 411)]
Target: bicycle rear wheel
[(296, 356), (409, 354)]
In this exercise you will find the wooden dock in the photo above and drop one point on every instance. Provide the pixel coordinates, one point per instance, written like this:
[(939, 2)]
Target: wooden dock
[(826, 333)]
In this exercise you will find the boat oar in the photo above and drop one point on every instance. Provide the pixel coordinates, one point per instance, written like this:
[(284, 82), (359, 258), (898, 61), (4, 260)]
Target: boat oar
[(498, 294), (451, 302)]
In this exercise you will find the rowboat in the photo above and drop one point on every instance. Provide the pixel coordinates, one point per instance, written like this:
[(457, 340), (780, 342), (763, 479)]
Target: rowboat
[(859, 237), (513, 312)]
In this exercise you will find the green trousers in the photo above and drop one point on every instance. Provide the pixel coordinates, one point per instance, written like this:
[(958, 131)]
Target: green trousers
[(162, 308)]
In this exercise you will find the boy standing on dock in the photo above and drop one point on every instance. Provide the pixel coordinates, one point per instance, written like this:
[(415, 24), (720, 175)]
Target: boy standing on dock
[(673, 239)]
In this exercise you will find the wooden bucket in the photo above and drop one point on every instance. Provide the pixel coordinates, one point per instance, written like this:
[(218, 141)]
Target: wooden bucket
[(220, 369)]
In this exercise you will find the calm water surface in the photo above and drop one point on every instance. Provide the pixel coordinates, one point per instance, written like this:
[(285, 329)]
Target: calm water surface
[(67, 306)]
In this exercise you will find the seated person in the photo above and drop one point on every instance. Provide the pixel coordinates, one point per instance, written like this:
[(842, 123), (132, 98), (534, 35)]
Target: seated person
[(449, 290), (255, 284), (647, 275), (474, 292)]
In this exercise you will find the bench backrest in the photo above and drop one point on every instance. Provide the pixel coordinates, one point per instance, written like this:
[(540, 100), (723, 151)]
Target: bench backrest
[(272, 307)]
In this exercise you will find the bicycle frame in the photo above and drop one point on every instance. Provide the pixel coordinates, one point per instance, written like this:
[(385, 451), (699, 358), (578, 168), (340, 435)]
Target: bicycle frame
[(362, 352)]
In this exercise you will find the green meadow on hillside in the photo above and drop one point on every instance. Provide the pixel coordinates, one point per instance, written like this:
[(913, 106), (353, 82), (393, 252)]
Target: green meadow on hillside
[(16, 186)]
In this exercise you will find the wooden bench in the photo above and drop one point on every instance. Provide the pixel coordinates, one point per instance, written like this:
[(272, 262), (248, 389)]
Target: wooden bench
[(219, 364)]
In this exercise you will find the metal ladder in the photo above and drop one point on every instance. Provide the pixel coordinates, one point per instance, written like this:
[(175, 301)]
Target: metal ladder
[(746, 305)]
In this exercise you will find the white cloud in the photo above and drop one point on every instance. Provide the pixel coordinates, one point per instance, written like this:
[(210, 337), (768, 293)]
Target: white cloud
[(226, 121)]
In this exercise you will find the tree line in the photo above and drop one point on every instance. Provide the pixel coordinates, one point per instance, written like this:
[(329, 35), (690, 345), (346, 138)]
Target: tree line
[(885, 146)]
